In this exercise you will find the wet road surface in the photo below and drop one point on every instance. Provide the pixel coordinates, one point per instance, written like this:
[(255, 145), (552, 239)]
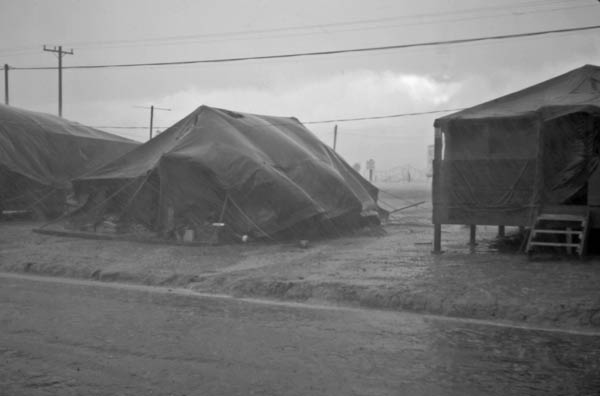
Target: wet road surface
[(76, 337)]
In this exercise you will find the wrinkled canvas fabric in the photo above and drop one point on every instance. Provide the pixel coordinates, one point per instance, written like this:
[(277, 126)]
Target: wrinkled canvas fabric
[(253, 172), (40, 154)]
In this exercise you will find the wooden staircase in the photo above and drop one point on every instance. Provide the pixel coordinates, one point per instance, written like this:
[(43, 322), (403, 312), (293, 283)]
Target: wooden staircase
[(562, 230)]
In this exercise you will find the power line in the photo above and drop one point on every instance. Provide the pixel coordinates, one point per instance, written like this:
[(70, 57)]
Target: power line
[(529, 4), (382, 117), (368, 25), (190, 41), (317, 122), (470, 13), (321, 53)]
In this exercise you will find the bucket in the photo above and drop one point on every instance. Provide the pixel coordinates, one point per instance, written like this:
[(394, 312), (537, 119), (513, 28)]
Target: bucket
[(188, 235)]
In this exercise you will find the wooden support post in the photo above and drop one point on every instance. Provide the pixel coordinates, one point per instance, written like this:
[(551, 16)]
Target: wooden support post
[(6, 68), (437, 238), (60, 53), (152, 108), (60, 56), (473, 234), (151, 120), (334, 137), (435, 190), (501, 232)]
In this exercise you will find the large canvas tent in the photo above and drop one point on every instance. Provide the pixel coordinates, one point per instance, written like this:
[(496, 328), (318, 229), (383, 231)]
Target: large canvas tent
[(259, 175), (499, 162), (40, 154)]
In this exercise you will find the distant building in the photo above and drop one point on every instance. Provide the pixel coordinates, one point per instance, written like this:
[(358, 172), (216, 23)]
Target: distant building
[(430, 151), (371, 168)]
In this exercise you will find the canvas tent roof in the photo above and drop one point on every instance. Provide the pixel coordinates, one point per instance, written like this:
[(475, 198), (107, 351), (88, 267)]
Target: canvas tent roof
[(575, 91), (51, 150), (505, 158), (273, 170)]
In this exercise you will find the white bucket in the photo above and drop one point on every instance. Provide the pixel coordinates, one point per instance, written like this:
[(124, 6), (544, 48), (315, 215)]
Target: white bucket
[(188, 235)]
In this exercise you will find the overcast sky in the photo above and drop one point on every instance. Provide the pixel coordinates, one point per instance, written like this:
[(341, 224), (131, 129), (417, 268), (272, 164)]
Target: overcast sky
[(309, 88)]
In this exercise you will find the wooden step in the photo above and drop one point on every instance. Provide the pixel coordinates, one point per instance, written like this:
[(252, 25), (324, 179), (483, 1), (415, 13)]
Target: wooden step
[(570, 226), (558, 244), (561, 217), (558, 232)]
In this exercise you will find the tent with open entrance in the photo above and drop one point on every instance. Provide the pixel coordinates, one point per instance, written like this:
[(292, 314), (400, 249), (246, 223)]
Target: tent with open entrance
[(258, 175), (41, 153), (499, 162)]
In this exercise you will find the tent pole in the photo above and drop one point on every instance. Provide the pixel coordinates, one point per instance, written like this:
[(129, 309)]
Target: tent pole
[(435, 191)]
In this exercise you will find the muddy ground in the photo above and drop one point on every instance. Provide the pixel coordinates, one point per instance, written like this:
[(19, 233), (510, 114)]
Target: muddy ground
[(75, 337), (391, 270)]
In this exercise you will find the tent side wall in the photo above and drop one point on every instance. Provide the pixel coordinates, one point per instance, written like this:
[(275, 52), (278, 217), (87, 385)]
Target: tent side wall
[(488, 173), (188, 196), (20, 193), (131, 201), (40, 154)]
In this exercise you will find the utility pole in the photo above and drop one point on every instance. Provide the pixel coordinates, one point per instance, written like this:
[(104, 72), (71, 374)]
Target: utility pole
[(334, 137), (152, 108), (6, 102), (60, 53)]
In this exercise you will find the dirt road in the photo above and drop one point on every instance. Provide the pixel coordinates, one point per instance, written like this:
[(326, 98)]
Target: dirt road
[(73, 337), (390, 268), (395, 271)]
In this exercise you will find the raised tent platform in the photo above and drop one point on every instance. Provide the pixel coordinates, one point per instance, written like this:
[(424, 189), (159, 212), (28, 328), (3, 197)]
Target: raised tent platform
[(501, 162)]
